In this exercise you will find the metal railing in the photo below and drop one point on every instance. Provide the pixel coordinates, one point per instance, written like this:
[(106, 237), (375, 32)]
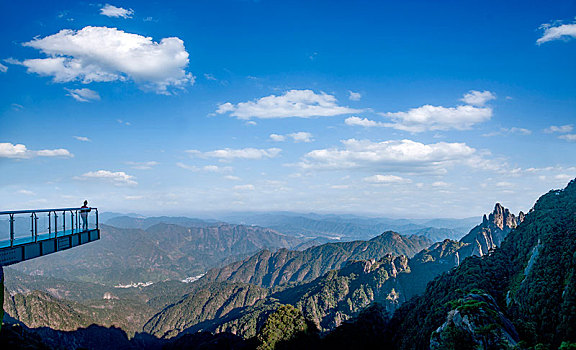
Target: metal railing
[(79, 220)]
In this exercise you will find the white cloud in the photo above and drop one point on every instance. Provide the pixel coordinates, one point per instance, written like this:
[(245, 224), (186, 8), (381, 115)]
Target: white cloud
[(113, 11), (217, 169), (277, 137), (394, 155), (294, 103), (119, 178), (297, 137), (26, 192), (3, 68), (354, 96), (563, 31), (301, 136), (564, 177), (244, 153), (104, 54), (568, 137), (232, 178), (82, 138), (20, 151), (440, 184), (365, 122), (386, 179), (563, 129), (429, 117), (509, 131), (520, 131), (83, 95), (143, 165), (559, 129), (478, 98), (187, 167), (244, 187)]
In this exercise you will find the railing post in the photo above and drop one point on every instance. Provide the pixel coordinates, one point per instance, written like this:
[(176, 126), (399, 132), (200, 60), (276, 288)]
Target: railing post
[(64, 222), (49, 224), (32, 224), (55, 224), (96, 218), (35, 227), (11, 230), (72, 221)]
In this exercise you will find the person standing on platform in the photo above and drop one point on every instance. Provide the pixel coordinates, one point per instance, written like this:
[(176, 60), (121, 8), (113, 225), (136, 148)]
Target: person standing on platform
[(84, 210)]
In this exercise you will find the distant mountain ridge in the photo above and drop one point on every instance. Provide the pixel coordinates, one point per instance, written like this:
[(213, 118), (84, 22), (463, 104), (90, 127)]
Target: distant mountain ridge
[(350, 227), (162, 251), (269, 269)]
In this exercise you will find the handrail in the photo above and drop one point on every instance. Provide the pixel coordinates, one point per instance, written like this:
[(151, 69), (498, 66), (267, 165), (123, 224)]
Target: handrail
[(75, 225), (41, 210)]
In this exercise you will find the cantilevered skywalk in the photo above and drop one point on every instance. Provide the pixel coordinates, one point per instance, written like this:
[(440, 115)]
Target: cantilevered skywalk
[(28, 234)]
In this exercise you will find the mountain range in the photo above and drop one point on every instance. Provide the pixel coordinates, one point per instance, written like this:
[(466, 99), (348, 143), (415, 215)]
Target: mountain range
[(508, 283)]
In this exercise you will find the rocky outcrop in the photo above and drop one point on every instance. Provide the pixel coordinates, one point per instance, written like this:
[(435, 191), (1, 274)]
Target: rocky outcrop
[(492, 231), (475, 322)]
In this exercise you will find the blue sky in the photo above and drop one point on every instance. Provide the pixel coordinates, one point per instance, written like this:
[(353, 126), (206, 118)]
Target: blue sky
[(406, 109)]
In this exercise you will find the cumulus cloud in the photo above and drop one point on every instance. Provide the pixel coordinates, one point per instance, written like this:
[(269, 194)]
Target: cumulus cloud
[(3, 68), (294, 103), (103, 54), (300, 136), (354, 96), (559, 129), (478, 98), (118, 178), (113, 11), (430, 118), (82, 138), (365, 122), (395, 155), (434, 118), (386, 179), (20, 151), (243, 153), (277, 137), (83, 95), (557, 32)]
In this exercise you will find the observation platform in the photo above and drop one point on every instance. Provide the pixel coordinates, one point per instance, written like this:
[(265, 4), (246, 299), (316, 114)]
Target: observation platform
[(28, 234)]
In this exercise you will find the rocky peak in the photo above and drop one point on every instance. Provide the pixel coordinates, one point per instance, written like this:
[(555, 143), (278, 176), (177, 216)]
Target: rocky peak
[(501, 218), (491, 232), (521, 217)]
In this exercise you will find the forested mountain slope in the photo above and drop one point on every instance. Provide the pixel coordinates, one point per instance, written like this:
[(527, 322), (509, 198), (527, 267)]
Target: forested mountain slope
[(531, 277), (269, 269)]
